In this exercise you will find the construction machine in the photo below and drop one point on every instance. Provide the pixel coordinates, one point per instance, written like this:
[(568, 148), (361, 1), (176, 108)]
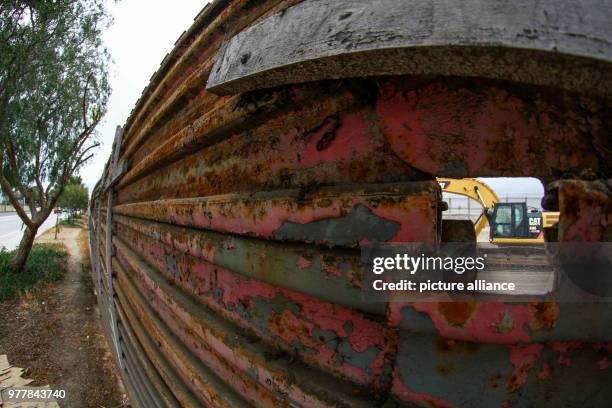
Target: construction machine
[(510, 222)]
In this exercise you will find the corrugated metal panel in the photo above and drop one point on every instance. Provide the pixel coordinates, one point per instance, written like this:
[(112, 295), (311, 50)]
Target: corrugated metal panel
[(225, 230)]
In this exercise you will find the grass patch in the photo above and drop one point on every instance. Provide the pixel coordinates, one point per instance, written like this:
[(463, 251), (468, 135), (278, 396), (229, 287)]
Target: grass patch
[(46, 263), (83, 241), (71, 222)]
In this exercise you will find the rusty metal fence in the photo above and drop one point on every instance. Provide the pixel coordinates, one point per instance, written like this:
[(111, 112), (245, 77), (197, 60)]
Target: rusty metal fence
[(279, 135)]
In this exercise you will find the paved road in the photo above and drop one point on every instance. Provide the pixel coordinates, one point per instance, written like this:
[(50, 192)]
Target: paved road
[(11, 229)]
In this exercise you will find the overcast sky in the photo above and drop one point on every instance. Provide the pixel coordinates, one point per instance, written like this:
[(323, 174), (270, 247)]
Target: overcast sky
[(144, 31), (142, 34)]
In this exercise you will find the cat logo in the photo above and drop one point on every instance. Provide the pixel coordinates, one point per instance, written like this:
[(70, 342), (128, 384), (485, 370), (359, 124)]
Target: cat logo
[(535, 222)]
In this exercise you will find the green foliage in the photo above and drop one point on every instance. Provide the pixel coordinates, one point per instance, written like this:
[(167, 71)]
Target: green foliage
[(53, 93), (53, 77), (75, 196), (46, 263)]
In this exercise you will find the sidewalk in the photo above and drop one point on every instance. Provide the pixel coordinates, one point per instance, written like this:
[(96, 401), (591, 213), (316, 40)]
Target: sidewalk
[(56, 335)]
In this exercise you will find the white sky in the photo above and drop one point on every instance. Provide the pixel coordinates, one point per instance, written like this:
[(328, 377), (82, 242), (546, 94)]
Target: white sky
[(144, 31)]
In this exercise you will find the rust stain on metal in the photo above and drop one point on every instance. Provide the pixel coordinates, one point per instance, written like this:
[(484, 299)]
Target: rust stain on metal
[(291, 320), (544, 315), (485, 132), (395, 212), (456, 313), (586, 210)]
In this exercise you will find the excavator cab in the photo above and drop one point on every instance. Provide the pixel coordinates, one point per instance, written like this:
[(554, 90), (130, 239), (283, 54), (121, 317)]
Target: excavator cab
[(509, 221), (514, 221)]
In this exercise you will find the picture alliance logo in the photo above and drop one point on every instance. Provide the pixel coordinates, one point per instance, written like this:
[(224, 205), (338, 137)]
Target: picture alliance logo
[(422, 262)]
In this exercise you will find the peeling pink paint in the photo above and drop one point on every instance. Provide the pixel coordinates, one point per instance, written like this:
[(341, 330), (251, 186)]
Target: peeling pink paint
[(565, 361), (304, 263), (565, 346), (216, 349), (262, 217), (287, 328), (523, 358), (483, 323), (489, 132), (544, 372), (401, 391), (332, 269), (350, 138)]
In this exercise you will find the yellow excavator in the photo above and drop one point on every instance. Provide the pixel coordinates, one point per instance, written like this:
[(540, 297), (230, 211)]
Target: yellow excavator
[(510, 223)]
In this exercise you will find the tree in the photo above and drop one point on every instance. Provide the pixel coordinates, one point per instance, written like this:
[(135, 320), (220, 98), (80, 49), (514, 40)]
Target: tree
[(53, 93), (75, 196)]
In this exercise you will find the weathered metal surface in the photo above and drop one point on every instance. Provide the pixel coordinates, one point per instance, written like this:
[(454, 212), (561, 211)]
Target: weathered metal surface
[(239, 359), (108, 257), (179, 80), (322, 273), (489, 131), (586, 210), (553, 43), (355, 345), (233, 223), (331, 216), (295, 148), (442, 372)]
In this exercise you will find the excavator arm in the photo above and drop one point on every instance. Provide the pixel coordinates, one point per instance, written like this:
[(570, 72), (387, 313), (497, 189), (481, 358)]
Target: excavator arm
[(476, 190)]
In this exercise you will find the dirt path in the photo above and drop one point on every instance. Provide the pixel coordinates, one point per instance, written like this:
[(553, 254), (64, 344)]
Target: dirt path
[(56, 334)]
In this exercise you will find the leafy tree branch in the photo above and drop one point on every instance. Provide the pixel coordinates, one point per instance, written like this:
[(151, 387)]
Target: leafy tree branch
[(53, 93)]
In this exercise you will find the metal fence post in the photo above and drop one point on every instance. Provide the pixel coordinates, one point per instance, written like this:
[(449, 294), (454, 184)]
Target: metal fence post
[(115, 171)]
